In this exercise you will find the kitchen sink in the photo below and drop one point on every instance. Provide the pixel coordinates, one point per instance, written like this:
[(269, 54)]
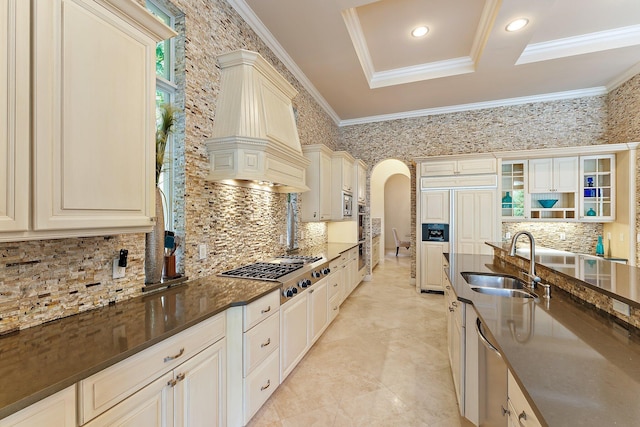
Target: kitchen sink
[(489, 280), (503, 292)]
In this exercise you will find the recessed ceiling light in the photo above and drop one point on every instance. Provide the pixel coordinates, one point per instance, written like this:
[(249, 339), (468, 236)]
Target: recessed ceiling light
[(518, 24), (420, 31)]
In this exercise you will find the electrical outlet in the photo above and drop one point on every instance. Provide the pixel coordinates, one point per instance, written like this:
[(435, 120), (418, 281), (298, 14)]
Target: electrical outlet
[(507, 235), (621, 307), (301, 234), (202, 251), (118, 272), (622, 237), (608, 236), (282, 239), (563, 236)]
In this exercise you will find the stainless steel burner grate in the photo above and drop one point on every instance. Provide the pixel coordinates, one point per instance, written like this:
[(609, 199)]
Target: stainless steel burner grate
[(263, 271)]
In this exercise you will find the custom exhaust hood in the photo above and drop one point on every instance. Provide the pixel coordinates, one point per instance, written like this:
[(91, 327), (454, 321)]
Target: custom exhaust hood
[(255, 140)]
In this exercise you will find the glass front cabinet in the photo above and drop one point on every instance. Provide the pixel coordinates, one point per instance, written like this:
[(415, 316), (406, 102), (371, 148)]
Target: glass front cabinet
[(597, 195), (579, 188), (513, 190)]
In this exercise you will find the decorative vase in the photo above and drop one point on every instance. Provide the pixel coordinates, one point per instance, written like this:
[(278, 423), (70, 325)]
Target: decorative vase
[(154, 247), (507, 201), (599, 247), (591, 212)]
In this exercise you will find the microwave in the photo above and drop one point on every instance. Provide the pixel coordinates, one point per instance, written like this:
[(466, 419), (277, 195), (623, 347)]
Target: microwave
[(435, 232), (347, 204)]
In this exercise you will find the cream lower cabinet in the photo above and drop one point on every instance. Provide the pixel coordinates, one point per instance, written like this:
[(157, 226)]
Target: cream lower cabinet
[(177, 382), (334, 292), (455, 340), (431, 265), (58, 410), (520, 412), (303, 319), (91, 147), (375, 252), (253, 366)]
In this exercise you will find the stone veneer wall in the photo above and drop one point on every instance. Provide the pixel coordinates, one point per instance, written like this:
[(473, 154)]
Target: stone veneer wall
[(564, 123), (624, 126), (580, 237)]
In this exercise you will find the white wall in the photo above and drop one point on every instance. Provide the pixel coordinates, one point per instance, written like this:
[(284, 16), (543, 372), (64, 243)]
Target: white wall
[(397, 209)]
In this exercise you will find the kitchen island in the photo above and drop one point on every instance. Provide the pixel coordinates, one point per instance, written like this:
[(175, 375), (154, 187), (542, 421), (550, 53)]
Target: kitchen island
[(575, 366)]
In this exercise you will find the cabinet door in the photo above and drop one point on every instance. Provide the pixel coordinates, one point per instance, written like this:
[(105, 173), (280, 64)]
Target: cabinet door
[(325, 187), (200, 396), (434, 207), (362, 183), (476, 166), (347, 175), (431, 266), (293, 334), (565, 174), (438, 168), (318, 314), (476, 221), (540, 175), (58, 410), (93, 118), (14, 115), (150, 407)]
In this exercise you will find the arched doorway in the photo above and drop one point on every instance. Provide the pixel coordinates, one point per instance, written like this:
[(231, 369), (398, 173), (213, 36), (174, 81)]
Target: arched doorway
[(395, 176)]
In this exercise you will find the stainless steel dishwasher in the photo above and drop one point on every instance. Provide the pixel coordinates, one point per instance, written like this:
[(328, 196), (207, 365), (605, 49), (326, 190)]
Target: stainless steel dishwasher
[(492, 379)]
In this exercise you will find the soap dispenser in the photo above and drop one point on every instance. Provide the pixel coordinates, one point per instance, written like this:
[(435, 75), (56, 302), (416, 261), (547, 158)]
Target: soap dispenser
[(599, 247)]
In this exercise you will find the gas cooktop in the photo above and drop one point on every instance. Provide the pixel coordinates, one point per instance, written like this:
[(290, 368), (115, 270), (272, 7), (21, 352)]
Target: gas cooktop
[(263, 270)]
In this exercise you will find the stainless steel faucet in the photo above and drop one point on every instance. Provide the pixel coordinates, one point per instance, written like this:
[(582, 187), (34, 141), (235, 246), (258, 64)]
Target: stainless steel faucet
[(535, 280)]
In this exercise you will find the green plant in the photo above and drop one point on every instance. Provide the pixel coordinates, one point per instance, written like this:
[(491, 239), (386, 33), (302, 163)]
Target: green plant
[(164, 129)]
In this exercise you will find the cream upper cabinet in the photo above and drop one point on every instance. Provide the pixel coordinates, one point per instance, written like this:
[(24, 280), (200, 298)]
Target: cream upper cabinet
[(94, 115), (90, 152), (361, 176), (342, 171), (597, 188), (316, 203), (553, 175), (474, 166), (14, 115), (434, 207)]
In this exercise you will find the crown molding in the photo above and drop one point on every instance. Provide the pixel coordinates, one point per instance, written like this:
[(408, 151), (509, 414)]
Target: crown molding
[(352, 22), (243, 9), (622, 78), (416, 73), (581, 93), (579, 45)]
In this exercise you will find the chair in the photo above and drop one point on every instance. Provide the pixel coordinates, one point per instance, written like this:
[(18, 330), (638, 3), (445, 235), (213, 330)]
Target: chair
[(399, 242)]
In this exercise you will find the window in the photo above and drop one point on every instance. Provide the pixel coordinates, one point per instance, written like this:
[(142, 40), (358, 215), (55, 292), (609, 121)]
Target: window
[(166, 89)]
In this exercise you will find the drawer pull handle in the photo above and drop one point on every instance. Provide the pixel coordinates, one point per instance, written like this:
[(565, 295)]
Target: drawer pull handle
[(268, 309), (522, 417), (170, 358), (335, 285), (451, 309), (335, 308), (454, 303), (180, 377), (266, 343), (311, 291), (264, 387)]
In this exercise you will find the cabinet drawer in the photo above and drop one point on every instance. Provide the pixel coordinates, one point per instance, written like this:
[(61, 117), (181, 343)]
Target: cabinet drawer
[(105, 389), (260, 341), (56, 410), (334, 307), (260, 384), (335, 282), (260, 309)]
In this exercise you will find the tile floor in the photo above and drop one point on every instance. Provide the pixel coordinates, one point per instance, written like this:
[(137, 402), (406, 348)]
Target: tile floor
[(382, 362)]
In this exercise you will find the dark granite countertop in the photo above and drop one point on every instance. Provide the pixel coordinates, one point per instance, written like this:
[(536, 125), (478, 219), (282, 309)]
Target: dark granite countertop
[(40, 361), (616, 280), (576, 367)]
